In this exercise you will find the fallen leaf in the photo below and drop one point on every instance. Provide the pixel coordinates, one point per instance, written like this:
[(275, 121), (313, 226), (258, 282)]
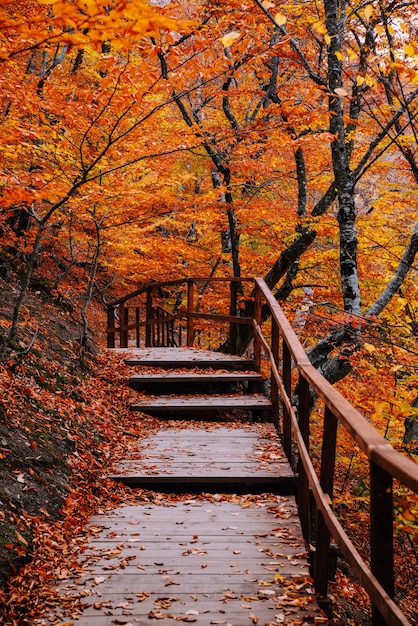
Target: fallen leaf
[(340, 92), (20, 538), (280, 19), (228, 39)]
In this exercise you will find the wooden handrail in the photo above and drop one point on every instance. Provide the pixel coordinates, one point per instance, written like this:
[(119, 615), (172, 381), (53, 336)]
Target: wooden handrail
[(386, 464), (368, 439), (287, 361)]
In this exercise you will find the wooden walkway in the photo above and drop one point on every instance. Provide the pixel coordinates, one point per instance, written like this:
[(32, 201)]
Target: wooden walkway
[(220, 545)]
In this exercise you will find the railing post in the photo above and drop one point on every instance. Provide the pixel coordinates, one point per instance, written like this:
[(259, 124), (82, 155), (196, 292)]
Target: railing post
[(148, 318), (303, 482), (123, 321), (287, 384), (233, 311), (138, 334), (110, 327), (190, 311), (258, 319), (274, 389), (323, 536), (381, 533)]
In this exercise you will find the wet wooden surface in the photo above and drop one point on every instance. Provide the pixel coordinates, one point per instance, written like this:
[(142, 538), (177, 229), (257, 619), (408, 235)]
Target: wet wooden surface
[(205, 562)]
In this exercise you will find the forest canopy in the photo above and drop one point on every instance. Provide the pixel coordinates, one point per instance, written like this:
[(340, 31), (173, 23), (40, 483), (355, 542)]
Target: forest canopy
[(153, 140), (149, 140)]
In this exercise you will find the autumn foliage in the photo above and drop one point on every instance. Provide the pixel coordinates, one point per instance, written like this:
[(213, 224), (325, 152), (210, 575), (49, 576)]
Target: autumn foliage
[(153, 140)]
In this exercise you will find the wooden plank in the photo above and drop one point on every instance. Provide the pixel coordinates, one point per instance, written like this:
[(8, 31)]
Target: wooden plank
[(185, 358), (179, 608), (192, 403), (200, 376), (235, 563)]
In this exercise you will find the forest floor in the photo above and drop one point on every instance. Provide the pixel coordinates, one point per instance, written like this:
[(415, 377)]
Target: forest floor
[(64, 423)]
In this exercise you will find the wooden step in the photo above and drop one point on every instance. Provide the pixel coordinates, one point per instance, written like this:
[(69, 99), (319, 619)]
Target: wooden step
[(172, 358), (197, 382), (217, 458), (187, 404), (210, 563), (186, 377)]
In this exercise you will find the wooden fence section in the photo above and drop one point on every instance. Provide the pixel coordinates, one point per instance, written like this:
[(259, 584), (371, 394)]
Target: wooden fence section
[(293, 381)]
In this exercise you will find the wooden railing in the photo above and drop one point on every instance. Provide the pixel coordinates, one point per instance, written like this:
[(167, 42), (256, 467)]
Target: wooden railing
[(143, 318), (293, 382)]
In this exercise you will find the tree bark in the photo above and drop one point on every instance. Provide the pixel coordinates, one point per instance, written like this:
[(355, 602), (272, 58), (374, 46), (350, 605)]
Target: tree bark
[(344, 182)]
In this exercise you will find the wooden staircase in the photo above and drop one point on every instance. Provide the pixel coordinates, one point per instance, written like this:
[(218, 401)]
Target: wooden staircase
[(234, 312), (213, 387)]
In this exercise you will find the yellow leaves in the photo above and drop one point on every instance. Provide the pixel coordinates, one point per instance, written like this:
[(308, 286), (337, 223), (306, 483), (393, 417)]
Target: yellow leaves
[(369, 347), (409, 50), (320, 28), (360, 80), (339, 55), (267, 4), (327, 39), (126, 21), (280, 19), (368, 11), (228, 39)]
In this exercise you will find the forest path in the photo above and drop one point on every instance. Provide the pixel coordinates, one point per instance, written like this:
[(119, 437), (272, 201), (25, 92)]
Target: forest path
[(218, 540), (207, 557)]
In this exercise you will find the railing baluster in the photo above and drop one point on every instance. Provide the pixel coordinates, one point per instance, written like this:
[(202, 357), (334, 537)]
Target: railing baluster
[(148, 319), (303, 483), (258, 319), (138, 334), (287, 384), (381, 533), (190, 311), (323, 536), (123, 322), (274, 390), (110, 327), (233, 311)]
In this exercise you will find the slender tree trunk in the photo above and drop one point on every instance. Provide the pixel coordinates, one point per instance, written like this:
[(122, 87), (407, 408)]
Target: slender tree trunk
[(24, 287), (90, 287), (302, 182), (335, 22)]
